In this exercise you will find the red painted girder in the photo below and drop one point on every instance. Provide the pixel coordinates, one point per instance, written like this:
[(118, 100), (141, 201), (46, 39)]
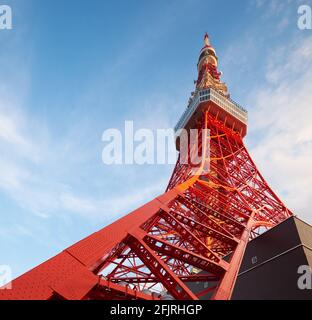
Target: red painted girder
[(166, 276), (198, 261), (205, 229), (109, 288), (205, 213), (189, 236), (153, 279)]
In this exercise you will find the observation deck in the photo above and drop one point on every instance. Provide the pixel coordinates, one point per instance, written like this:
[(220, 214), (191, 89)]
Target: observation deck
[(224, 109)]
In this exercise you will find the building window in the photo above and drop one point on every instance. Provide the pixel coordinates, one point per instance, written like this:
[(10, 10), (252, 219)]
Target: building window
[(254, 260)]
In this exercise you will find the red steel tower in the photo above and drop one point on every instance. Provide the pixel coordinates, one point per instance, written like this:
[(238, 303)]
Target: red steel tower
[(196, 231)]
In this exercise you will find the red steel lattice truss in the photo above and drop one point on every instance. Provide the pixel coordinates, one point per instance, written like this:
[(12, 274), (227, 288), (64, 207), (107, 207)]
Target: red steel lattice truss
[(203, 222)]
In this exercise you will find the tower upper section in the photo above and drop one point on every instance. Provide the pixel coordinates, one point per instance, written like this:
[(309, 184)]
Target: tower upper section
[(207, 66), (212, 95)]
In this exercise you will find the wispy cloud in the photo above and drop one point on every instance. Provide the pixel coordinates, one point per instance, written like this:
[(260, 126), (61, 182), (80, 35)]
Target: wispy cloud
[(281, 130), (275, 72), (272, 7), (33, 183), (113, 207)]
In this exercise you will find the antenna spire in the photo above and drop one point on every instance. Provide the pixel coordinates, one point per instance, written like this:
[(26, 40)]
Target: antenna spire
[(206, 40)]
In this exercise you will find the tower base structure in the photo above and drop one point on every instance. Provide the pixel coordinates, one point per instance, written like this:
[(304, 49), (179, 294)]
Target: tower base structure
[(271, 266)]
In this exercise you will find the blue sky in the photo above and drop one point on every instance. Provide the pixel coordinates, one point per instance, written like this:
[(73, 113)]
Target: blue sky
[(72, 69)]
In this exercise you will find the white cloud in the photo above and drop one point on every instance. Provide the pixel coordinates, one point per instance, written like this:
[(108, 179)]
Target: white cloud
[(273, 7), (113, 207), (280, 125), (278, 13), (33, 184)]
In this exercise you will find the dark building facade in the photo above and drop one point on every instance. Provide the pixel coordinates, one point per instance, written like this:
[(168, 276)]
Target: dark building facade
[(269, 270)]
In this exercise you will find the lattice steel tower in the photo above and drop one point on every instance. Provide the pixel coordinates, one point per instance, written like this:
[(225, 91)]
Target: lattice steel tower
[(196, 231)]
